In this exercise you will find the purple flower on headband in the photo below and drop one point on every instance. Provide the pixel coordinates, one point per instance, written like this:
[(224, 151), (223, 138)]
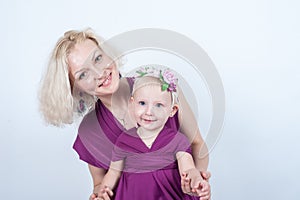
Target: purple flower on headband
[(169, 80), (169, 77), (172, 87)]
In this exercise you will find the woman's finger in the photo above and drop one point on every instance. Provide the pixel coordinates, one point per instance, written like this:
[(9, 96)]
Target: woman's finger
[(205, 175)]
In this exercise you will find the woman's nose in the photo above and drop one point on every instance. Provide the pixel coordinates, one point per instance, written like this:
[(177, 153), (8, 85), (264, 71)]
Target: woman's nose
[(100, 70), (98, 73)]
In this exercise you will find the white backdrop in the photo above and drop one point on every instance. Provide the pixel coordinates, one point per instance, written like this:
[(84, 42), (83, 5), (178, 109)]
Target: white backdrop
[(254, 45)]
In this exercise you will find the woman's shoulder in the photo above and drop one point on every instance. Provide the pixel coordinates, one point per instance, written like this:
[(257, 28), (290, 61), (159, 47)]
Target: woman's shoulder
[(176, 135), (128, 81), (89, 120)]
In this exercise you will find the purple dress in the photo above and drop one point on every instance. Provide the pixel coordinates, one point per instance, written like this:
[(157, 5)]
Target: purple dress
[(150, 173)]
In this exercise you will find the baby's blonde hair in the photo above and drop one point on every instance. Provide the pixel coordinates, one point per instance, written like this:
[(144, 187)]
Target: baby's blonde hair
[(141, 82), (59, 99)]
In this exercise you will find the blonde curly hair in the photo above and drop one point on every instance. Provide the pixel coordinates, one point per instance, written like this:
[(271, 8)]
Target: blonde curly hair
[(60, 100)]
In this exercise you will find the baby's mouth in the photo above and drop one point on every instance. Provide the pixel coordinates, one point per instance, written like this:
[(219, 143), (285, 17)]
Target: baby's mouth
[(148, 120)]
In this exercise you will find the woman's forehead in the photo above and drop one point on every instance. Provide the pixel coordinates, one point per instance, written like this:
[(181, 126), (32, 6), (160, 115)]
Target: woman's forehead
[(82, 52)]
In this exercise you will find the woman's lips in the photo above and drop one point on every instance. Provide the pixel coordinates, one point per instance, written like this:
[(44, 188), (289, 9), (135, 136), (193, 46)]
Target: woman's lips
[(106, 81)]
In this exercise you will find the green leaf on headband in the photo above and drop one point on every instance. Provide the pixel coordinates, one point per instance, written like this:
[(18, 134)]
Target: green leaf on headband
[(164, 86), (141, 73)]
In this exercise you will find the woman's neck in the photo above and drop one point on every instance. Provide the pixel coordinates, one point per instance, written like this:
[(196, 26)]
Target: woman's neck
[(117, 104), (106, 100)]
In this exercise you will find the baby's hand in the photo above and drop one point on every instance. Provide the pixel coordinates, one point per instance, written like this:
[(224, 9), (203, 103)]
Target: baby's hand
[(193, 184), (189, 181), (105, 194), (185, 183), (195, 177)]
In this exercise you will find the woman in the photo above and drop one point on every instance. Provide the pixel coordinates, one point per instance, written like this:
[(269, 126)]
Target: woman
[(82, 71)]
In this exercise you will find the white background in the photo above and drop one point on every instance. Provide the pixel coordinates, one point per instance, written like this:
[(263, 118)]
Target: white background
[(254, 44)]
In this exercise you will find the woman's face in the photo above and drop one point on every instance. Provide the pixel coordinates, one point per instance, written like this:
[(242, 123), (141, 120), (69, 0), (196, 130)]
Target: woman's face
[(92, 70)]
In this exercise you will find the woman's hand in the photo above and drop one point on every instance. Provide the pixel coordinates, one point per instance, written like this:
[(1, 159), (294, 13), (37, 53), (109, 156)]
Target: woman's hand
[(93, 196), (95, 192), (102, 194), (105, 194), (205, 175)]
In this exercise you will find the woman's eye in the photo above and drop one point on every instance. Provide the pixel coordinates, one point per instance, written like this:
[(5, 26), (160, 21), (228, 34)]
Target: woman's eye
[(83, 75), (98, 58), (142, 103)]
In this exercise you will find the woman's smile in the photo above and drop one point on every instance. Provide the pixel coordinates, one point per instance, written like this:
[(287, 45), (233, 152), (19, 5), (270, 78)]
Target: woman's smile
[(107, 81)]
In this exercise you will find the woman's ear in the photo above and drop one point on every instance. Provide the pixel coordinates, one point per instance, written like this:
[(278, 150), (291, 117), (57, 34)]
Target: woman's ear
[(131, 99), (174, 110)]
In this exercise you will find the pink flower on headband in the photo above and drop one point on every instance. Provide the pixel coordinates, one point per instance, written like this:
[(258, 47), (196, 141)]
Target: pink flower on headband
[(166, 76), (170, 79)]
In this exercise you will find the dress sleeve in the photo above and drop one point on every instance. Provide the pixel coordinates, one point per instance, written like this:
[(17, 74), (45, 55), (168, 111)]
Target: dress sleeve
[(85, 155), (119, 152), (183, 143)]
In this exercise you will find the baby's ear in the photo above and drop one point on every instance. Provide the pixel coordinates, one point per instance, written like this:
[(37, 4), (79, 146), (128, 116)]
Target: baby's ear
[(174, 110)]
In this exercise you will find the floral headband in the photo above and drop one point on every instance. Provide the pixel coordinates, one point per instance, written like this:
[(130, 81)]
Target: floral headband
[(166, 76)]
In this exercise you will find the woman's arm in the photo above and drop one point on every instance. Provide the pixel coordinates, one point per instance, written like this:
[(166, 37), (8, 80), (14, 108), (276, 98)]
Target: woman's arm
[(110, 180), (189, 126), (97, 176), (112, 176)]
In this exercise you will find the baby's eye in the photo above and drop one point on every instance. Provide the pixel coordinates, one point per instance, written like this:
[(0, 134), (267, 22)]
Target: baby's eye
[(159, 105), (142, 103)]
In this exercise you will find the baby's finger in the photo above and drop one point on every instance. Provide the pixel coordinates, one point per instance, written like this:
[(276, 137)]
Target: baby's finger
[(185, 185), (109, 191), (105, 196), (196, 183)]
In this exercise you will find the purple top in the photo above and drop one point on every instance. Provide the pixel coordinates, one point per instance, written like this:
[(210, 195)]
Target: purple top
[(150, 173), (140, 159)]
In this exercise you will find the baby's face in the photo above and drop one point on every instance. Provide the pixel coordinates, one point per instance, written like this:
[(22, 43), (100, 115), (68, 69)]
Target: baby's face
[(152, 107)]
